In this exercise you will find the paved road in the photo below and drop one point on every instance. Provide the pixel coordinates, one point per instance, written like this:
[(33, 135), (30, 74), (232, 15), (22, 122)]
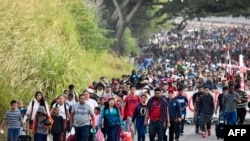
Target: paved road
[(236, 20), (189, 135)]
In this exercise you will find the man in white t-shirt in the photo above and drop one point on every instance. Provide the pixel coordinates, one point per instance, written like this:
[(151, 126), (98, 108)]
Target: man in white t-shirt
[(92, 103)]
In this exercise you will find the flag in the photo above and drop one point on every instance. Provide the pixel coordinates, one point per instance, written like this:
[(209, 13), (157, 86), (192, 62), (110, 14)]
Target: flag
[(242, 66)]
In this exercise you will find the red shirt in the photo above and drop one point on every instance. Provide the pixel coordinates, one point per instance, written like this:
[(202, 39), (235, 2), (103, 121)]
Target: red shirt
[(171, 88), (119, 106), (155, 114), (131, 102)]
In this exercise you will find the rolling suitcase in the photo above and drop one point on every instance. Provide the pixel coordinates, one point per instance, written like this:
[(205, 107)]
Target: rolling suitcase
[(23, 136), (219, 126)]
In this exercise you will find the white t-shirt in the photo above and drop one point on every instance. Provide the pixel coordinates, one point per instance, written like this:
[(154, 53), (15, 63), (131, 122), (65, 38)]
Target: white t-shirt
[(92, 103), (62, 109), (71, 102)]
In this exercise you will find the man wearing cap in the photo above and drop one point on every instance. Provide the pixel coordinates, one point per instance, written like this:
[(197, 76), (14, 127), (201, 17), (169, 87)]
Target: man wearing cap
[(183, 103), (171, 87)]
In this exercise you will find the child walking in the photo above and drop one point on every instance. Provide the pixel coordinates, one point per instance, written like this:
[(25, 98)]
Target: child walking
[(40, 129), (14, 119), (97, 112), (57, 127), (139, 115), (23, 111)]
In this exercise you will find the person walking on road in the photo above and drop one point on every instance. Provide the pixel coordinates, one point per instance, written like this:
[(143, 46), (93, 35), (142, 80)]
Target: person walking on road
[(205, 111), (139, 116), (241, 107), (157, 114), (13, 118), (174, 114), (230, 101), (80, 114), (195, 99), (183, 103)]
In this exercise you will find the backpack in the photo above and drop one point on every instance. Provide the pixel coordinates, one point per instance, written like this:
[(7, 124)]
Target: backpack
[(114, 121), (65, 108)]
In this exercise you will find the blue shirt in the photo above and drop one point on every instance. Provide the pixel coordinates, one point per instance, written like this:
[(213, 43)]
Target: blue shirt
[(183, 102), (174, 109), (109, 114), (13, 118)]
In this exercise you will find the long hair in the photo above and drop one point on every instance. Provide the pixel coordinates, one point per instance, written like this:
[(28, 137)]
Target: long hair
[(42, 101), (106, 104)]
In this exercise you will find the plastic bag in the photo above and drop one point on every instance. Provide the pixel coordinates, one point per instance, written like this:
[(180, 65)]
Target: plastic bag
[(167, 132), (126, 136), (71, 135), (99, 136)]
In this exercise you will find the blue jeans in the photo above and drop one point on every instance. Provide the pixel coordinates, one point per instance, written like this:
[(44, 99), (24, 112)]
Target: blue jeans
[(113, 133), (127, 123), (13, 134), (156, 127), (40, 137), (82, 133), (182, 124), (141, 129), (231, 118)]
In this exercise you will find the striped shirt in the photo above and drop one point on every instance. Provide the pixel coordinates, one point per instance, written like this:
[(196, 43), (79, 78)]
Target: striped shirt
[(243, 95), (13, 118)]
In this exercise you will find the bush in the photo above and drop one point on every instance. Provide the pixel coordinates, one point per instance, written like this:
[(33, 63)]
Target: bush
[(130, 43), (43, 47)]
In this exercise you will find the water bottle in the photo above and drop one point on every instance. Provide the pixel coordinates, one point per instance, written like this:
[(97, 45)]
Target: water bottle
[(93, 130)]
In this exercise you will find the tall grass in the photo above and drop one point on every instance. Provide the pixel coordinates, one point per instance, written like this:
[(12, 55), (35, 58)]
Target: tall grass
[(47, 45)]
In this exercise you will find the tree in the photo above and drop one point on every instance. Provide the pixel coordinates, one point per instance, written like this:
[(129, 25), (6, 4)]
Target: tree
[(122, 13), (190, 9)]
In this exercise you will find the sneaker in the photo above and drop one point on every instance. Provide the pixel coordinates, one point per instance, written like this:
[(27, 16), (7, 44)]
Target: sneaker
[(203, 134), (197, 130), (209, 132)]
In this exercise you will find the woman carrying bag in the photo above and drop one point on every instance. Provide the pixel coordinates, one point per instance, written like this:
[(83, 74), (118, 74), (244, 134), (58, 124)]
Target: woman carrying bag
[(112, 121), (33, 108)]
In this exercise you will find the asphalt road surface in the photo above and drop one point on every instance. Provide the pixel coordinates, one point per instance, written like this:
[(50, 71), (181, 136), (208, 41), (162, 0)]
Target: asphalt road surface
[(189, 134)]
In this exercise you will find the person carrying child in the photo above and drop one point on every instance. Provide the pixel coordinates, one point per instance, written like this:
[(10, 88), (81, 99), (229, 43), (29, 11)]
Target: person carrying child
[(42, 124)]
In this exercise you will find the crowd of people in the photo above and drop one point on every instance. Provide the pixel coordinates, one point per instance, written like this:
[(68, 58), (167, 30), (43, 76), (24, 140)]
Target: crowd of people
[(150, 100)]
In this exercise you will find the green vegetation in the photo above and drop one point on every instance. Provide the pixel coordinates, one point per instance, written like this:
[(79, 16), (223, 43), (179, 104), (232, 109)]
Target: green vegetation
[(47, 45), (129, 43)]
